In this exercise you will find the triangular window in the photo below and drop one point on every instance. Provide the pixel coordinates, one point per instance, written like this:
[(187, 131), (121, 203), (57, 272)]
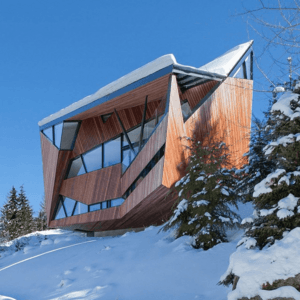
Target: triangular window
[(49, 133), (69, 206), (57, 134), (80, 209), (60, 211), (105, 117), (77, 168)]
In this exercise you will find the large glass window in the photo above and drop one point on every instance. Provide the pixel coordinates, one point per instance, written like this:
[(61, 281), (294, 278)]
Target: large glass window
[(77, 168), (69, 206), (80, 209), (68, 135), (62, 135), (60, 211), (112, 152), (57, 134), (49, 133), (93, 159)]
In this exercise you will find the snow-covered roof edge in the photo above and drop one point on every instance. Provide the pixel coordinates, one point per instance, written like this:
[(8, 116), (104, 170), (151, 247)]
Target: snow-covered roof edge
[(148, 69), (225, 63)]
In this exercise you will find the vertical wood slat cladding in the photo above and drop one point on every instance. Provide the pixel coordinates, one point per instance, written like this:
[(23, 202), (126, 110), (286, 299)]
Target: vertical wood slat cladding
[(151, 182), (196, 94), (154, 89), (174, 153), (227, 116), (155, 142), (94, 132), (61, 169), (95, 186), (50, 157), (148, 188)]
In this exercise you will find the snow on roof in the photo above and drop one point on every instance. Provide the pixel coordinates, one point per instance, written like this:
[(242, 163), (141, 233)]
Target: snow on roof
[(150, 68), (222, 65), (226, 62)]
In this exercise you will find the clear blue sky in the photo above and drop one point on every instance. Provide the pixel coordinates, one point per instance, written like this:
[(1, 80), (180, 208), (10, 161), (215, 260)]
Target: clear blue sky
[(54, 53)]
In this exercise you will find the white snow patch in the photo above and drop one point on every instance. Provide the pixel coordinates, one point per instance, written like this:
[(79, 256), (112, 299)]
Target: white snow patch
[(257, 267), (225, 63), (263, 186), (283, 103)]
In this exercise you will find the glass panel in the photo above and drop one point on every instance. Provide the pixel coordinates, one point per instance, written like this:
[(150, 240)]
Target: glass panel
[(186, 110), (77, 168), (248, 67), (112, 152), (68, 135), (104, 204), (93, 159), (80, 209), (94, 207), (239, 73), (134, 136), (116, 202), (60, 211), (148, 129), (69, 206), (57, 134), (128, 157), (49, 133)]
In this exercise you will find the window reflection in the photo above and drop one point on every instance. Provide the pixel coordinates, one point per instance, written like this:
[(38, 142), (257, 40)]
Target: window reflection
[(77, 168), (68, 135), (69, 205), (49, 133), (112, 152), (95, 207), (116, 202), (80, 209), (93, 159), (60, 211), (57, 134)]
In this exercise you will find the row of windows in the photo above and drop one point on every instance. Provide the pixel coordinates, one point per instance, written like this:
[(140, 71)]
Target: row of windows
[(63, 135), (112, 152), (68, 207)]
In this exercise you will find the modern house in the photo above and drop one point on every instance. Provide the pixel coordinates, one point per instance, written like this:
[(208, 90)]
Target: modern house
[(110, 159)]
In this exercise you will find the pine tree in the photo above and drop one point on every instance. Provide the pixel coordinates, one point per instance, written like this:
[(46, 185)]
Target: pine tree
[(276, 197), (8, 217), (204, 196), (41, 219), (258, 166), (24, 215)]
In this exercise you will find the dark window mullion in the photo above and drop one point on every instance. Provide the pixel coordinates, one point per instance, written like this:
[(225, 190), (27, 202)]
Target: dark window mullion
[(244, 70), (63, 205), (83, 163), (53, 134), (74, 208)]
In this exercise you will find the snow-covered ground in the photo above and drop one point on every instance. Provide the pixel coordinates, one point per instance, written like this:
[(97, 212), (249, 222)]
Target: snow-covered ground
[(58, 264)]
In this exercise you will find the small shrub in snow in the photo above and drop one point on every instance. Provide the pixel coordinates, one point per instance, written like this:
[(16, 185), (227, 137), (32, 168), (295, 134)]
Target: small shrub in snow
[(204, 196)]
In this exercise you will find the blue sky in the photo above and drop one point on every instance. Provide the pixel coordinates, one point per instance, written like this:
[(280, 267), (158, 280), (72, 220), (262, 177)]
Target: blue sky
[(54, 53)]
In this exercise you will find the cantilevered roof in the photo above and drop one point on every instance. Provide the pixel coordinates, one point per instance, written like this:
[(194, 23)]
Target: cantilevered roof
[(218, 69), (225, 63)]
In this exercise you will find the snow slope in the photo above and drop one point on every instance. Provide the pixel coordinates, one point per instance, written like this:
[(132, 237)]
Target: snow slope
[(58, 264)]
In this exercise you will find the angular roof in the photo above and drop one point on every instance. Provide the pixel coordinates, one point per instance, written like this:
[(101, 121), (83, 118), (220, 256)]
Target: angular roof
[(225, 63), (217, 69)]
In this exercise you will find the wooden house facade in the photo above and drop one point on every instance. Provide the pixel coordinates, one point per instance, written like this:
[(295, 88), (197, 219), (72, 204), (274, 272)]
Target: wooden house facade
[(110, 160)]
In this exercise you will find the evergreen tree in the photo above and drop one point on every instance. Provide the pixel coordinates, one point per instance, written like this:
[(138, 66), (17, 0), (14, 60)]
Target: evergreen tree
[(258, 166), (204, 196), (41, 219), (9, 219), (24, 214), (276, 197)]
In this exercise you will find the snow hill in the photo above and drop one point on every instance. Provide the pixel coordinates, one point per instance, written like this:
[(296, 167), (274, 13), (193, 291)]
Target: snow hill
[(149, 265)]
